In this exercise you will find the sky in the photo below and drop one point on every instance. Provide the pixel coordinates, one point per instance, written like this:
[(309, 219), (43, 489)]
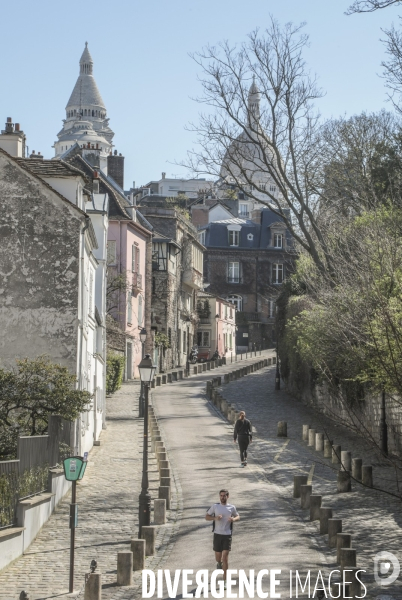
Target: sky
[(147, 78)]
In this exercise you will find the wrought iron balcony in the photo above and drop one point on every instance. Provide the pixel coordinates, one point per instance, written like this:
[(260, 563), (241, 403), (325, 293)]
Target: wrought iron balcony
[(137, 281)]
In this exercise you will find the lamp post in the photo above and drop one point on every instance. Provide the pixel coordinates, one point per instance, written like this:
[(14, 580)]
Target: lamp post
[(147, 372), (217, 321), (143, 337), (278, 373)]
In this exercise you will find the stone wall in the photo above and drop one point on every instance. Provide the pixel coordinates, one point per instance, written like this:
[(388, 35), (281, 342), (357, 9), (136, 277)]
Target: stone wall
[(39, 265)]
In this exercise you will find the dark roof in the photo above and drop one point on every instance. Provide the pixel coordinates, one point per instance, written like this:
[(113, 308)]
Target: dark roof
[(51, 168), (217, 232), (159, 237)]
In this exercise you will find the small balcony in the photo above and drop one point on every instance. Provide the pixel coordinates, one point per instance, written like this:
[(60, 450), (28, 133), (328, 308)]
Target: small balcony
[(137, 282), (205, 321)]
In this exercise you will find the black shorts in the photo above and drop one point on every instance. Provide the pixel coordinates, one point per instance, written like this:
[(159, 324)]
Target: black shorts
[(222, 542)]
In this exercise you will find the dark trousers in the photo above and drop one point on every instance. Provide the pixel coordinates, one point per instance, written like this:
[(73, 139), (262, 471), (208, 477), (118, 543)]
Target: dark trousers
[(243, 445)]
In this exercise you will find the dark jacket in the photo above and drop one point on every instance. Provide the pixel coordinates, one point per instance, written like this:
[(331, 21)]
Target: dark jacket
[(242, 427)]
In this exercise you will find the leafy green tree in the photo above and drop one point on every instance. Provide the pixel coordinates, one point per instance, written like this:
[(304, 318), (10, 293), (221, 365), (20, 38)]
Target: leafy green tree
[(29, 394)]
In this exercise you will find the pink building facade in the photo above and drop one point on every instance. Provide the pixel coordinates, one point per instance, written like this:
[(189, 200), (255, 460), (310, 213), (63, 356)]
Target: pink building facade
[(216, 326)]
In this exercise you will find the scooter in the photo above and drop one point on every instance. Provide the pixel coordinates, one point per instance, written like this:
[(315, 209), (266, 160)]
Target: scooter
[(193, 355)]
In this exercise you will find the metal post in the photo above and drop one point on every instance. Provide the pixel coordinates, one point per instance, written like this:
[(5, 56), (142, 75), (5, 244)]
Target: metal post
[(278, 373), (72, 536), (383, 426), (144, 517)]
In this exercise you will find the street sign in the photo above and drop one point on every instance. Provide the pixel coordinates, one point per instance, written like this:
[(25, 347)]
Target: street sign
[(74, 468)]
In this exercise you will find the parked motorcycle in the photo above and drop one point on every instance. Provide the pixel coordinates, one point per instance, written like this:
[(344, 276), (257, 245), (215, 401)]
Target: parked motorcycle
[(215, 355), (193, 355)]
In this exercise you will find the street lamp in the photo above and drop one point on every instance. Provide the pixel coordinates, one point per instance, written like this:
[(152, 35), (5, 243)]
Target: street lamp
[(217, 320), (278, 373), (143, 337), (147, 372)]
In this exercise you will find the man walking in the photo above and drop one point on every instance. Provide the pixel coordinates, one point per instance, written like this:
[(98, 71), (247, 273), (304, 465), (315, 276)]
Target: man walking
[(223, 515), (243, 434)]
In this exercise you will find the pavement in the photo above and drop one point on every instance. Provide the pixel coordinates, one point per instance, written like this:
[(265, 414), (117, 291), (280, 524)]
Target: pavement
[(273, 533)]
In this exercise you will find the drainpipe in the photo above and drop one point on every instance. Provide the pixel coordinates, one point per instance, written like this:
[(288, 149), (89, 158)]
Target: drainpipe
[(78, 422)]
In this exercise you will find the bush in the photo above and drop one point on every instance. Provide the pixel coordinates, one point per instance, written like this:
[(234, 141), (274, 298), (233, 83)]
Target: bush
[(114, 372)]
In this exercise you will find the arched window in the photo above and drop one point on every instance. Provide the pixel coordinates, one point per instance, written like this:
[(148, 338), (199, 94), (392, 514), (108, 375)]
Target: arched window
[(140, 310), (236, 300), (93, 113)]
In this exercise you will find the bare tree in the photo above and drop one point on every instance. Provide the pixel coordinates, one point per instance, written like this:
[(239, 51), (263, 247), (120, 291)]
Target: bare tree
[(363, 6), (264, 128)]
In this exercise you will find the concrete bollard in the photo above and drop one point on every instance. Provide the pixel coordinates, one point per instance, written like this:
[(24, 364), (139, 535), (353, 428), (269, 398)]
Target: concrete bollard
[(124, 568), (195, 370), (180, 374), (305, 432), (315, 505), (343, 540), (164, 472), (164, 494), (336, 454), (305, 493), (344, 482), (165, 481), (334, 527), (319, 442), (357, 464), (311, 437), (93, 586), (352, 580), (164, 464), (367, 475), (208, 366), (159, 512), (158, 380), (148, 533), (325, 515), (282, 430), (298, 480), (161, 456), (138, 550), (327, 449), (348, 557), (226, 378), (164, 379), (155, 443), (346, 460)]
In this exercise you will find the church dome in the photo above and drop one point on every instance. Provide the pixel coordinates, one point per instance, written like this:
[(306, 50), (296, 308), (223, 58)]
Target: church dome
[(85, 92)]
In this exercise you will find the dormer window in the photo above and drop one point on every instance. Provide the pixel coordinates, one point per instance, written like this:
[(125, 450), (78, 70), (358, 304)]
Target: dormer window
[(278, 240), (234, 237)]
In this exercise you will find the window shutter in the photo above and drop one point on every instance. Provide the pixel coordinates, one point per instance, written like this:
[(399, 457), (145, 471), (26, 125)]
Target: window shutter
[(138, 260), (133, 258)]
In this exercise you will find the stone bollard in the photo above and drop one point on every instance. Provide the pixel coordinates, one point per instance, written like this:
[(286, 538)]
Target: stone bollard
[(305, 432), (348, 557), (298, 480), (319, 442), (208, 366), (180, 374), (158, 380), (124, 568), (315, 505), (325, 515), (164, 494), (327, 448), (164, 379), (212, 365), (344, 482), (334, 527), (159, 512), (352, 579), (195, 370), (367, 475), (357, 464), (93, 586), (148, 533), (164, 472), (346, 460), (208, 390), (161, 456), (138, 550), (311, 437), (164, 464), (155, 443), (336, 455), (282, 430), (343, 540), (165, 482), (305, 493), (226, 378)]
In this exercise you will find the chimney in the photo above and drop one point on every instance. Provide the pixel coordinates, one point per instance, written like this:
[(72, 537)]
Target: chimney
[(115, 168), (163, 175), (12, 139), (95, 183), (36, 156)]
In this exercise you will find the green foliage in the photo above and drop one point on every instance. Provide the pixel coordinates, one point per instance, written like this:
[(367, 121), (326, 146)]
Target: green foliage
[(203, 309), (231, 194), (162, 340), (14, 487), (114, 372), (36, 388)]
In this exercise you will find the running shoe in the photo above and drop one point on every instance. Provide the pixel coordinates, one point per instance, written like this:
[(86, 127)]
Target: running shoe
[(242, 464), (219, 565)]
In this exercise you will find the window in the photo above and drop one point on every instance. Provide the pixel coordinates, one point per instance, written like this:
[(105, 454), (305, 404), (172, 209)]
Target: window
[(277, 273), (278, 240), (140, 311), (133, 258), (271, 308), (234, 272), (111, 252), (236, 300), (272, 189), (197, 258), (159, 256), (263, 187), (129, 309), (203, 339), (201, 237), (234, 237), (243, 210)]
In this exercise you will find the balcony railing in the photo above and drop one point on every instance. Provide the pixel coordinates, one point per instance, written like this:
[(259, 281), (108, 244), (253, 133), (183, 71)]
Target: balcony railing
[(205, 320), (137, 281)]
